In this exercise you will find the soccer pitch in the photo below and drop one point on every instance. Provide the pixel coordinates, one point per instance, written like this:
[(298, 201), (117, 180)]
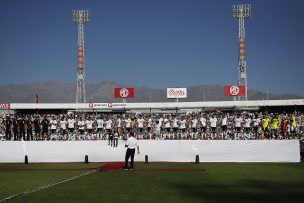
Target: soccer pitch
[(221, 182)]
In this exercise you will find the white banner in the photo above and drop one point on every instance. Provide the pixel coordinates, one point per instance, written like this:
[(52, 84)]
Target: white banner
[(107, 105), (157, 150), (174, 93)]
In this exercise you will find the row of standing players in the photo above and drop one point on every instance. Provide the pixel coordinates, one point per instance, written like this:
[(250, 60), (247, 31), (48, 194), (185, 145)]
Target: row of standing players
[(150, 126)]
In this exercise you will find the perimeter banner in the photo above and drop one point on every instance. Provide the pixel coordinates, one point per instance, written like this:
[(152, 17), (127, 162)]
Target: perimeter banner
[(157, 150)]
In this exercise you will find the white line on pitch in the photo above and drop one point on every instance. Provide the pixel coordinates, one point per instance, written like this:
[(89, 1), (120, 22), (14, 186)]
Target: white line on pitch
[(45, 186)]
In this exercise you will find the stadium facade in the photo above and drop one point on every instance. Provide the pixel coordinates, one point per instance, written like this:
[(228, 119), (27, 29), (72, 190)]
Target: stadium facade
[(164, 107)]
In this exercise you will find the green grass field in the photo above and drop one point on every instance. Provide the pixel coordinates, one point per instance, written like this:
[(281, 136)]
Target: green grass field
[(229, 182)]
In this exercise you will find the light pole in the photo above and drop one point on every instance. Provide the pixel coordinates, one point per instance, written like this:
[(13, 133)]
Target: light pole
[(240, 12), (81, 17)]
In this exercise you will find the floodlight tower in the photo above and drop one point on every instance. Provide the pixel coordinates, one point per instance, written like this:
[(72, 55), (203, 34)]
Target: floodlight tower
[(240, 12), (81, 17)]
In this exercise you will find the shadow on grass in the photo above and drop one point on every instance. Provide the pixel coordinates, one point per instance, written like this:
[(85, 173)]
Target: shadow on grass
[(250, 191)]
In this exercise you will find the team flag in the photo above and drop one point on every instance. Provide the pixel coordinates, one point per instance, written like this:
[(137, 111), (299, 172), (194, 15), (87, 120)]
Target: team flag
[(234, 90), (124, 92)]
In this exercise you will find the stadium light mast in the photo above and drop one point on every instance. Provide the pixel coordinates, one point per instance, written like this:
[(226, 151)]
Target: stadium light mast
[(81, 17), (240, 12)]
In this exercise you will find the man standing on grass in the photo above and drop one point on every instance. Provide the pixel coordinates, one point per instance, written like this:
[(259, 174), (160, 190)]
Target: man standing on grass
[(131, 144)]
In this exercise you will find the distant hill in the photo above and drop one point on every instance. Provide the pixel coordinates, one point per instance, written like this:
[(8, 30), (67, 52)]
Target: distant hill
[(57, 92)]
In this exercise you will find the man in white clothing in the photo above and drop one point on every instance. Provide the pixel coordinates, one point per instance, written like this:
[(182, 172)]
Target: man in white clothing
[(213, 124), (71, 126), (53, 124), (89, 126), (131, 144)]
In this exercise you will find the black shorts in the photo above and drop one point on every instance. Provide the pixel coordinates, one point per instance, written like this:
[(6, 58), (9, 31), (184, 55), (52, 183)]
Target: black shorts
[(213, 129), (247, 130), (238, 129), (266, 129), (90, 131), (141, 130), (203, 129), (53, 131), (149, 129), (45, 131), (224, 127), (128, 130), (194, 129), (183, 130), (81, 131), (167, 130), (99, 129), (175, 129), (71, 130)]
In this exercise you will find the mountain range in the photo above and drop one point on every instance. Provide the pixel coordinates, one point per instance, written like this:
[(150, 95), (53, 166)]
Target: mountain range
[(57, 92)]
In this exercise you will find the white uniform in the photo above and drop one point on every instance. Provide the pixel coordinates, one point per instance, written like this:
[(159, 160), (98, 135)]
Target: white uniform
[(174, 125), (63, 124), (213, 122), (108, 124), (100, 123), (255, 122), (203, 122), (237, 122), (157, 129), (118, 123), (71, 123), (160, 120), (194, 123), (182, 124), (81, 125), (167, 123), (224, 121), (140, 123), (53, 124), (149, 124), (89, 124), (247, 123), (128, 123)]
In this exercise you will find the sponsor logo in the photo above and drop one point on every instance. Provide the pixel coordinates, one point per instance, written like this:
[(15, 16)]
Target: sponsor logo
[(176, 93), (5, 106), (107, 105), (124, 92), (234, 90)]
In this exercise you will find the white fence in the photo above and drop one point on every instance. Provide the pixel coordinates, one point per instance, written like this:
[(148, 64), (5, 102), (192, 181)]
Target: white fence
[(157, 150)]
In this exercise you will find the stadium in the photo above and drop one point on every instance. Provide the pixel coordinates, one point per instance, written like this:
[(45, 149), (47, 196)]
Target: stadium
[(239, 150)]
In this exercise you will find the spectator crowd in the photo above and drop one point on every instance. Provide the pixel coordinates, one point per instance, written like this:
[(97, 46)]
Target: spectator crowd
[(112, 127)]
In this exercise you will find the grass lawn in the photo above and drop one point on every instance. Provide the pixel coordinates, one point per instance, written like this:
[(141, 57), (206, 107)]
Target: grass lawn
[(229, 182), (49, 166)]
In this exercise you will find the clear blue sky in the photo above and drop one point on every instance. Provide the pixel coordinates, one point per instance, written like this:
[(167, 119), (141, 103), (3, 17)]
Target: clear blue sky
[(155, 43)]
